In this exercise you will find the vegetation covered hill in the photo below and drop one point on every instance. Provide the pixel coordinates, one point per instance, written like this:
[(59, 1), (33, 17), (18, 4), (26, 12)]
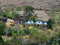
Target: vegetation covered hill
[(23, 34)]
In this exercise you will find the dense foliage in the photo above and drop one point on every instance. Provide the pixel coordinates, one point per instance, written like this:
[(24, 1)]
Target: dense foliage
[(29, 12), (29, 35), (2, 27), (18, 8)]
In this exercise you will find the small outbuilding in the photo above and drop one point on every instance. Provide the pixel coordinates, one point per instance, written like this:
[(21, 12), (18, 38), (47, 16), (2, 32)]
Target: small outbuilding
[(30, 22), (39, 22)]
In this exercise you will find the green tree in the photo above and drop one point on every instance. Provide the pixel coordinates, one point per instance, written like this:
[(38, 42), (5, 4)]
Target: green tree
[(28, 11), (2, 13), (55, 15), (11, 14), (32, 18), (50, 23), (2, 27), (39, 36), (18, 8)]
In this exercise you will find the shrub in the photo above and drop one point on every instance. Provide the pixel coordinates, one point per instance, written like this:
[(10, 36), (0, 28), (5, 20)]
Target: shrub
[(18, 8), (28, 8), (2, 13), (50, 22), (2, 27)]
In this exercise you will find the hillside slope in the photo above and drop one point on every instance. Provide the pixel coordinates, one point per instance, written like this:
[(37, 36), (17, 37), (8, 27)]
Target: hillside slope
[(37, 4)]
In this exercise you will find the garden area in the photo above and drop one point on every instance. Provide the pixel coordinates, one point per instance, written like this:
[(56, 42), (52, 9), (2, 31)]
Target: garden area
[(13, 31)]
